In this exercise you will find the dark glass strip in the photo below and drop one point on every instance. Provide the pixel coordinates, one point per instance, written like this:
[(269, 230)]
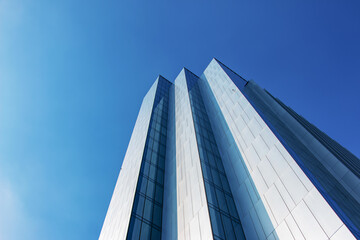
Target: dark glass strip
[(146, 215)]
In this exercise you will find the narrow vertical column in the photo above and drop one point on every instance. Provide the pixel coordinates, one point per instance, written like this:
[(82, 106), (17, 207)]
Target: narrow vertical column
[(118, 215), (146, 217), (193, 213), (169, 229), (224, 217)]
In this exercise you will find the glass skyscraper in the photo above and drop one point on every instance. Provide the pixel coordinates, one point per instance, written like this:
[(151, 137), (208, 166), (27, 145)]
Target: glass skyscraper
[(218, 157)]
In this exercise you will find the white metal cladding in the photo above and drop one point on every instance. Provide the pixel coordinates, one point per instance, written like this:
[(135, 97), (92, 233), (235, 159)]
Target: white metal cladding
[(118, 215), (193, 214), (340, 172), (270, 177)]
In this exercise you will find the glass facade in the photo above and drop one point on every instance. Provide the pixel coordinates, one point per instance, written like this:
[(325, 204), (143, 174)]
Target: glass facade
[(224, 218), (146, 216), (217, 157)]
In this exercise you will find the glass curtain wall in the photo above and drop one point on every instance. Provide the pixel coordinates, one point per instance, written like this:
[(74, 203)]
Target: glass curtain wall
[(146, 216)]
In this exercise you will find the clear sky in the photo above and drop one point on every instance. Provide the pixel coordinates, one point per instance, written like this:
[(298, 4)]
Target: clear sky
[(73, 75)]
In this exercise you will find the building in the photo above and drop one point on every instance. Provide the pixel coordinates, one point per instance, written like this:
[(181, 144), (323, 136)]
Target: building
[(218, 157)]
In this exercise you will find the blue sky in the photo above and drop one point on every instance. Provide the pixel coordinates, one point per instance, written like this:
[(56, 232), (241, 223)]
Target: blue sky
[(73, 75)]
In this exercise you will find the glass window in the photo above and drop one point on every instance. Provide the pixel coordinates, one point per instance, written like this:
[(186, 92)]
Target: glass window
[(205, 133), (210, 194), (206, 172), (154, 158), (231, 206), (139, 204), (155, 234), (160, 177), (238, 231), (148, 210), (159, 194), (216, 178), (145, 231), (152, 132), (152, 173), (229, 233), (225, 183), (201, 153), (220, 165), (157, 136), (163, 139), (161, 164), (148, 154), (211, 159), (146, 168), (208, 144), (163, 130), (150, 142), (142, 183), (216, 223), (156, 145), (157, 127), (213, 146), (134, 229), (157, 215), (222, 201), (199, 141), (150, 189), (162, 150)]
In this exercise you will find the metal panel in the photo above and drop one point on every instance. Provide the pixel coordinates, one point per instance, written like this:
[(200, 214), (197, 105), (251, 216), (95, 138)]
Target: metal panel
[(221, 89), (190, 184)]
